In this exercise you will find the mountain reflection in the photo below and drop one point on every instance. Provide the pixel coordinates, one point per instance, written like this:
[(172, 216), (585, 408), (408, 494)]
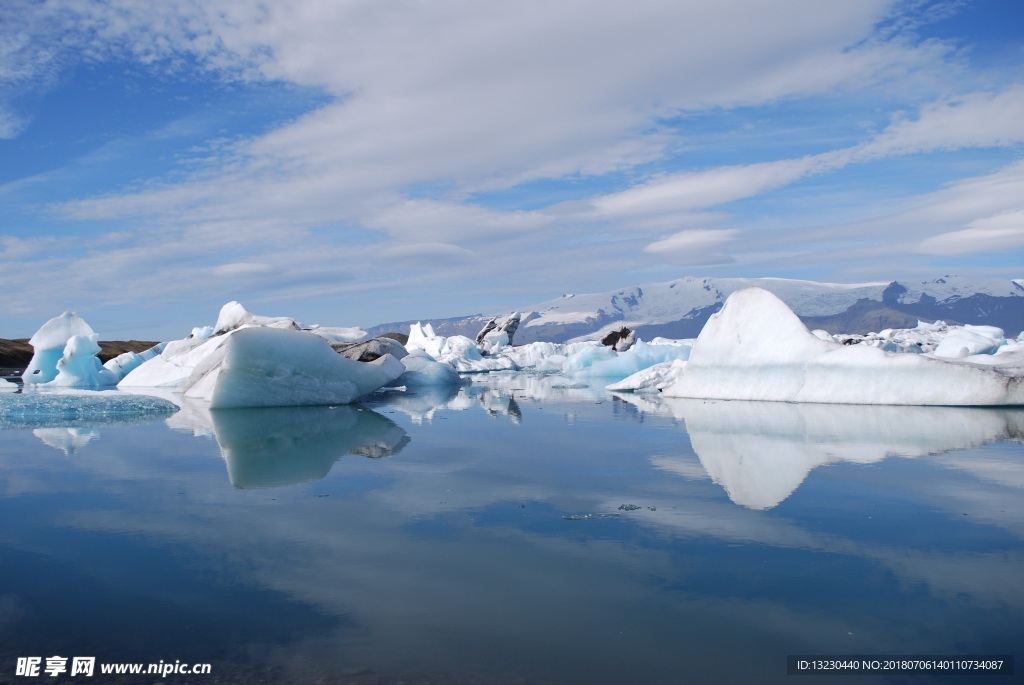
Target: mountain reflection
[(760, 452), (271, 447)]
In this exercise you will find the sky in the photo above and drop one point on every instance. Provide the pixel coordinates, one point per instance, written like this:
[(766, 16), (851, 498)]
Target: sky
[(354, 162)]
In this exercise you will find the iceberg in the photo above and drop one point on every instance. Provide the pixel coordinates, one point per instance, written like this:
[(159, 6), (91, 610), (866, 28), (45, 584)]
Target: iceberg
[(7, 386), (422, 370), (458, 351), (756, 348), (280, 367), (65, 351), (79, 367), (257, 361)]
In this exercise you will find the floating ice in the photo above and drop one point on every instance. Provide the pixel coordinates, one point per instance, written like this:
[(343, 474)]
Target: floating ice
[(970, 340), (422, 370), (49, 344), (273, 367), (7, 386), (71, 408), (458, 351), (596, 362), (79, 367), (756, 348), (123, 364), (651, 379), (262, 370)]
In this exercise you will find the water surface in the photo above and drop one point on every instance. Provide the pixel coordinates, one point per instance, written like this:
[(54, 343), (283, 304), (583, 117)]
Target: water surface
[(517, 530)]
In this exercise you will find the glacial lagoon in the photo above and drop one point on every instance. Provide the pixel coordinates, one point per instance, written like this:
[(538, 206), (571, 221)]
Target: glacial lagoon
[(519, 529)]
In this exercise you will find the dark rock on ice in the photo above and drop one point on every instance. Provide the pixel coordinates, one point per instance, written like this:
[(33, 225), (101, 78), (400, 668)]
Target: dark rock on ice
[(620, 340), (500, 324), (371, 349)]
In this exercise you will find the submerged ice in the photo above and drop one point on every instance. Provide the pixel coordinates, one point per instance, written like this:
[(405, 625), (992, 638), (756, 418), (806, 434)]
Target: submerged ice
[(70, 408)]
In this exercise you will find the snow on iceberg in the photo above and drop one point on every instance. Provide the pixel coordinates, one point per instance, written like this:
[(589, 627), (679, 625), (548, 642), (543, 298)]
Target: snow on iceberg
[(173, 366), (63, 344), (756, 348), (277, 367)]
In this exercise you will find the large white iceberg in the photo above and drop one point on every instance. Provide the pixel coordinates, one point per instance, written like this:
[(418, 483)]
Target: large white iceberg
[(256, 361), (756, 348), (275, 367)]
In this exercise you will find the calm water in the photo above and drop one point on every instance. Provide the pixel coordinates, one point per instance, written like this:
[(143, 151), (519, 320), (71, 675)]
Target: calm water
[(517, 530)]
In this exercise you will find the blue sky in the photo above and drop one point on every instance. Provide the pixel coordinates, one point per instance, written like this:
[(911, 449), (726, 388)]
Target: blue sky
[(351, 163)]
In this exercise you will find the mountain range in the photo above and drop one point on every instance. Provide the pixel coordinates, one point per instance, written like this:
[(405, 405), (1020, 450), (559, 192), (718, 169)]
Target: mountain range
[(679, 308)]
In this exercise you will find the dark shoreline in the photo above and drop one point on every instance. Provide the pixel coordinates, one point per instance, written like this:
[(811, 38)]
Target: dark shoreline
[(16, 354)]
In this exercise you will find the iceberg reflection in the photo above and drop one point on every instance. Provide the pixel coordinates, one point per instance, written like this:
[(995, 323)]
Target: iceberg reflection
[(760, 452), (271, 447)]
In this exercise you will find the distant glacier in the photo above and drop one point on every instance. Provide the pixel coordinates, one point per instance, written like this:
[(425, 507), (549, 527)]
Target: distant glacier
[(680, 308)]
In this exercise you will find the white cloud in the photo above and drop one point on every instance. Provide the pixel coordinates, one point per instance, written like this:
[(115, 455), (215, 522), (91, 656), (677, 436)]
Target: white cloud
[(975, 120), (242, 269), (688, 191), (428, 254), (694, 247), (692, 241), (461, 96), (992, 234)]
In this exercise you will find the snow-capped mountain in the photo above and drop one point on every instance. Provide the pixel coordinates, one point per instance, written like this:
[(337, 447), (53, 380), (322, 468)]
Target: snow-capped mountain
[(679, 308)]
